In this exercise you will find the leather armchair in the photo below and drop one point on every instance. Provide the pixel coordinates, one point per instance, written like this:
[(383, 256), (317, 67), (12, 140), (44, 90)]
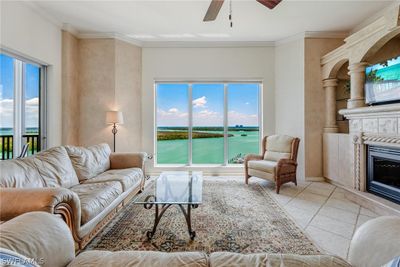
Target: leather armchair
[(277, 163)]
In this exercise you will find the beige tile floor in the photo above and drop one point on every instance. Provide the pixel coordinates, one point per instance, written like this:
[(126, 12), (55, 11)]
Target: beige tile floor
[(323, 212)]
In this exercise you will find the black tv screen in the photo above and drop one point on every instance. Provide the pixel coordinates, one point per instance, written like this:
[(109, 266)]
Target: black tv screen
[(383, 82)]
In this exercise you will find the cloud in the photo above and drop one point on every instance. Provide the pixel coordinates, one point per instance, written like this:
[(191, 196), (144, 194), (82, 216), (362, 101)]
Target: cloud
[(172, 117), (204, 117), (200, 102), (31, 112), (208, 118), (238, 118), (173, 110)]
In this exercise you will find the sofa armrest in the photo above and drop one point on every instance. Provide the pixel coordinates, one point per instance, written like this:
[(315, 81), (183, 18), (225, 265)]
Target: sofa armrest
[(40, 236), (376, 242), (128, 160), (55, 200)]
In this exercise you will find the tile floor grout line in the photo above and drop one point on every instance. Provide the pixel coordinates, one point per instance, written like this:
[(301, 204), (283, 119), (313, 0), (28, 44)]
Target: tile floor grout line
[(316, 226), (312, 218), (354, 230), (298, 193)]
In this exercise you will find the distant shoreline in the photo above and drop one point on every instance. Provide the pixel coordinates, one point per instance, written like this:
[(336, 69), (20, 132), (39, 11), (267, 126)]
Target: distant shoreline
[(180, 135), (210, 128)]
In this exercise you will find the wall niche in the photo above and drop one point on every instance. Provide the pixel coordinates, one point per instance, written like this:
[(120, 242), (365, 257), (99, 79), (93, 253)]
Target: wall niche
[(342, 95)]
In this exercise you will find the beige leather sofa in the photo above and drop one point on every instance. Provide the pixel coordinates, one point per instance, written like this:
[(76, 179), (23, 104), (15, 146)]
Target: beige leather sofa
[(46, 239), (85, 186), (277, 163)]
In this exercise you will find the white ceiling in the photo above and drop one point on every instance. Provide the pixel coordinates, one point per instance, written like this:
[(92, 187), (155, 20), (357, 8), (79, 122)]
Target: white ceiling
[(155, 21)]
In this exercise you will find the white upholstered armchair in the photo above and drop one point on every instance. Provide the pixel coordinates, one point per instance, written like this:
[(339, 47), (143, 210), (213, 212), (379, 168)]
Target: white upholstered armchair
[(278, 161)]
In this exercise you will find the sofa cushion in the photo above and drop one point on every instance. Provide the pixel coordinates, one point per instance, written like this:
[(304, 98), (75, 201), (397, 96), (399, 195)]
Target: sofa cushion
[(278, 147), (49, 168), (96, 197), (96, 258), (263, 165), (55, 167), (20, 173), (127, 177), (89, 162), (225, 259)]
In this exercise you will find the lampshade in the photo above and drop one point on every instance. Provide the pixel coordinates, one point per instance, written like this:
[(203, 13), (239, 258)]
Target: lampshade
[(114, 117)]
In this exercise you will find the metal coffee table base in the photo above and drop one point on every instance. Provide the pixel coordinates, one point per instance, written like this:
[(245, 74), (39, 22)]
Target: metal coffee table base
[(160, 210)]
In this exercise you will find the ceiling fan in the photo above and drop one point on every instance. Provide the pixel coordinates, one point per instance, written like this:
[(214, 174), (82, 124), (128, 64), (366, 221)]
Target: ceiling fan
[(216, 5)]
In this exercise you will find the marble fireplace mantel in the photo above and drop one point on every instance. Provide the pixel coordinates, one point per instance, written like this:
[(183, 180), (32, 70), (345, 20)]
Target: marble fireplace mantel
[(378, 120)]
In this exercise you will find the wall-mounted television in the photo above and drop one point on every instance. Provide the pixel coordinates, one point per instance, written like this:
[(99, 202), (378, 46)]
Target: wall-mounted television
[(383, 82)]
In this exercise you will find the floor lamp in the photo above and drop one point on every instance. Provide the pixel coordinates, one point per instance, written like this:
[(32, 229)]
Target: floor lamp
[(114, 118)]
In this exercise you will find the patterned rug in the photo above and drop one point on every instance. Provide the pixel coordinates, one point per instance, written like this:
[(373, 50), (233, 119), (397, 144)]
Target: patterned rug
[(233, 217)]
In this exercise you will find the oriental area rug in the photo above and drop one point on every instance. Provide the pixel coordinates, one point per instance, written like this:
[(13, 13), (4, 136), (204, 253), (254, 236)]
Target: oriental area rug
[(233, 217)]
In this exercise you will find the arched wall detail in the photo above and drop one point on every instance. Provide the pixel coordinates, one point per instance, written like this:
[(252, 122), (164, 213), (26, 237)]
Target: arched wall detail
[(361, 45)]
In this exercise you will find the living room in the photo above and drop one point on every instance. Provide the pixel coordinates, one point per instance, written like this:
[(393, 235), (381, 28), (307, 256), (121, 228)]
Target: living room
[(218, 133)]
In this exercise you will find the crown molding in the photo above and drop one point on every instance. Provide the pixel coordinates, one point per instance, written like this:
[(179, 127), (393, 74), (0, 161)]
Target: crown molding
[(108, 35), (312, 35), (194, 44), (166, 44)]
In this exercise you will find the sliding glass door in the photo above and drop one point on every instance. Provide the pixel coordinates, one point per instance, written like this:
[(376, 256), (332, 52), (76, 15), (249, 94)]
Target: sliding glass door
[(172, 123), (243, 121), (206, 123), (21, 88)]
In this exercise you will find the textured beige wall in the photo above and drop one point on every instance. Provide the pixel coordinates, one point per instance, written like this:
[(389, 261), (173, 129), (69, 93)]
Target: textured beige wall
[(128, 81), (97, 89), (109, 78), (70, 89), (314, 102)]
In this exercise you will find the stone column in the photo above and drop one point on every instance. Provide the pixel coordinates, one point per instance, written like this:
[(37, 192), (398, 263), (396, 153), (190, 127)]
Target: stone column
[(330, 86), (357, 82)]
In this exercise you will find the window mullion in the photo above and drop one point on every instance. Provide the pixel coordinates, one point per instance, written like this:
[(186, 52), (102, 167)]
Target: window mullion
[(190, 130), (18, 109), (225, 124)]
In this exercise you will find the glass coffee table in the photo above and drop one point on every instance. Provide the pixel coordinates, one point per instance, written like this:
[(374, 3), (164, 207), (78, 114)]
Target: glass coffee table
[(181, 188)]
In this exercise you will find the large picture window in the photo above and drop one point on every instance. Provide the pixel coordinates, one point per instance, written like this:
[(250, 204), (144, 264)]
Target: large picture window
[(21, 91), (207, 123)]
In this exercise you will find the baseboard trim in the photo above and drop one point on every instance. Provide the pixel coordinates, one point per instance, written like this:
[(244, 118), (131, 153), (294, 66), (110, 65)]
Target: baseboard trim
[(370, 201), (315, 179)]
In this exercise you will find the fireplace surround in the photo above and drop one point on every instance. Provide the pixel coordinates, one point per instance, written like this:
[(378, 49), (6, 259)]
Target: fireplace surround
[(383, 172)]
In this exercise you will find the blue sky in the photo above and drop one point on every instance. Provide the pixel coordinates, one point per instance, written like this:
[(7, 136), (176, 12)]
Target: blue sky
[(31, 85), (207, 101)]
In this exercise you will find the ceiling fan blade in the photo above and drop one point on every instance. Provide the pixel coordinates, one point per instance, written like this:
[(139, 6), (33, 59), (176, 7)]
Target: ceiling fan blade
[(269, 3), (213, 10)]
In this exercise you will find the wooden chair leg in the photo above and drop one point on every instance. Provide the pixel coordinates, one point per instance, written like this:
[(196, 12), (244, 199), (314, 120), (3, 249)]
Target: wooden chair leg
[(278, 186), (246, 179)]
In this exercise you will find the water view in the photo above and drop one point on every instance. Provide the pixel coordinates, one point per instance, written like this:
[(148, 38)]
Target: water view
[(209, 107), (208, 145)]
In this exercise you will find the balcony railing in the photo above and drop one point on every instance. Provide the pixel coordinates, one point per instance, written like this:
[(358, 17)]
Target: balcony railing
[(6, 145)]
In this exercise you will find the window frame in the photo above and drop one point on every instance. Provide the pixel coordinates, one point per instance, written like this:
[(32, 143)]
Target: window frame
[(19, 97), (190, 119)]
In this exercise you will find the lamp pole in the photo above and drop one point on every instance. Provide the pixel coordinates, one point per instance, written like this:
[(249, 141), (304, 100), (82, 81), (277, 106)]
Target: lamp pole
[(114, 131)]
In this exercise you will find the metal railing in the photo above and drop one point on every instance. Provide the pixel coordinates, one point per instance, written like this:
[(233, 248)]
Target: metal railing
[(6, 145)]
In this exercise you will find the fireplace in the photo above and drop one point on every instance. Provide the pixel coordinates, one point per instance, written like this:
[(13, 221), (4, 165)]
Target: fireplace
[(383, 172)]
